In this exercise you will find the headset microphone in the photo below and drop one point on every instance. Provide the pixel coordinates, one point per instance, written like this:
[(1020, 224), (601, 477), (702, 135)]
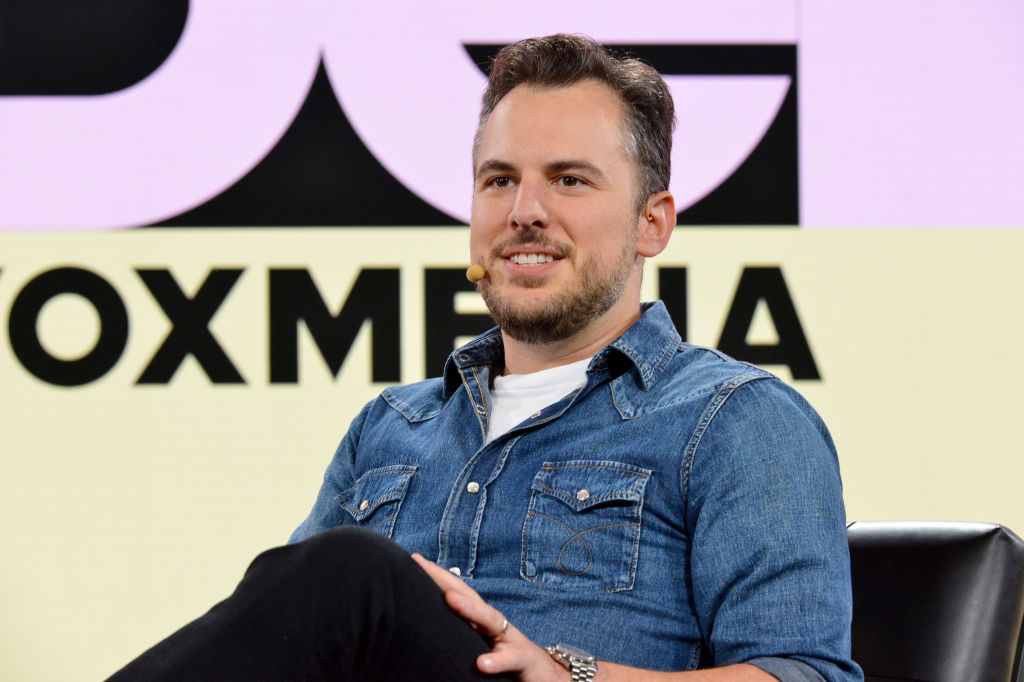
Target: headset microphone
[(475, 273)]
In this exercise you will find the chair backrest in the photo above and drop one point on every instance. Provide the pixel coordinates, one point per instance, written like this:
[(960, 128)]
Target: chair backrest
[(937, 601)]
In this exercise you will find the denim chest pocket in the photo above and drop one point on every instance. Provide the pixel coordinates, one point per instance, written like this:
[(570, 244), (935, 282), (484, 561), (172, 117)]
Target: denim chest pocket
[(582, 529), (377, 495)]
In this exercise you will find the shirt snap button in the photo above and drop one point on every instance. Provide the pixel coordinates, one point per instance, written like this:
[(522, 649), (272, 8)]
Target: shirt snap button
[(473, 487), (464, 357), (480, 409), (583, 495), (455, 570), (363, 505), (535, 415)]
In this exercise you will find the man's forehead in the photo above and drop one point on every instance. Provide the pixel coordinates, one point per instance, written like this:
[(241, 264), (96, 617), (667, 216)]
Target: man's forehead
[(528, 97), (566, 122)]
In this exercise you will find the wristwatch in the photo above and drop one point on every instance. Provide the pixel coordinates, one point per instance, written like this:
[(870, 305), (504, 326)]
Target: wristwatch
[(581, 665)]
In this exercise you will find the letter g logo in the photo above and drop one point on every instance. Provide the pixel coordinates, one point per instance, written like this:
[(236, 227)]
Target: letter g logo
[(403, 76)]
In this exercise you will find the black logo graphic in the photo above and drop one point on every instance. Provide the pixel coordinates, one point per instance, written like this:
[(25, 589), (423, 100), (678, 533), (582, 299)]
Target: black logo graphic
[(51, 47), (320, 173)]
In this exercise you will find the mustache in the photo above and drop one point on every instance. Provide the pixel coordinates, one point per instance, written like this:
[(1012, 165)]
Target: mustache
[(532, 237)]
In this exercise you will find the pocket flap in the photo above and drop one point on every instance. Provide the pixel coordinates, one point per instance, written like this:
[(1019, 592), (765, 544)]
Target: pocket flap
[(376, 487), (582, 484)]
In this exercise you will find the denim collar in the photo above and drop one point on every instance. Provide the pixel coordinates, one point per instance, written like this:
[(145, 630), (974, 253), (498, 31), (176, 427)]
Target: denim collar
[(648, 345)]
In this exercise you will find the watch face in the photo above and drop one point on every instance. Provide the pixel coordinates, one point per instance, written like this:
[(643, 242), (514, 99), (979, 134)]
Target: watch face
[(568, 650)]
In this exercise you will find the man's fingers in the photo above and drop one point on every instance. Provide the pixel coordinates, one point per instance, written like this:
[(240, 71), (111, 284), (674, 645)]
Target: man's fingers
[(488, 621), (503, 660), (465, 601), (447, 581), (444, 579), (512, 651), (500, 626), (491, 623)]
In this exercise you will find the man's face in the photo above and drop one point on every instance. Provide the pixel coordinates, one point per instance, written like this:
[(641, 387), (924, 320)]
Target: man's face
[(554, 216)]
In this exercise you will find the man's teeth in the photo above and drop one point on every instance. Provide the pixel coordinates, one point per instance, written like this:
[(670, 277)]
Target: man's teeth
[(531, 258)]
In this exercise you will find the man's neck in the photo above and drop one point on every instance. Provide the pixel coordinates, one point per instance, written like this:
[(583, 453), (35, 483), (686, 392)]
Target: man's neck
[(526, 358)]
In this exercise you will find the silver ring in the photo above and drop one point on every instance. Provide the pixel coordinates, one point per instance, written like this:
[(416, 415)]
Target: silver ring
[(504, 626)]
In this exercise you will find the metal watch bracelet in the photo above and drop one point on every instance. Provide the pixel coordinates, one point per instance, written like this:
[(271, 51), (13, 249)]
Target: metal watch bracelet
[(581, 666)]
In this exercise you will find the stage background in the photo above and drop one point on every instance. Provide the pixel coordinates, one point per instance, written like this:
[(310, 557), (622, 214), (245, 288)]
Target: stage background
[(853, 209)]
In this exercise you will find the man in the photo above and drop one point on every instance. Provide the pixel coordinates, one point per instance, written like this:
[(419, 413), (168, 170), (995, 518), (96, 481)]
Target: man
[(578, 476)]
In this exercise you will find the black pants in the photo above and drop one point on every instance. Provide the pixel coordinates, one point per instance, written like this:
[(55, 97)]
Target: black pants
[(347, 604)]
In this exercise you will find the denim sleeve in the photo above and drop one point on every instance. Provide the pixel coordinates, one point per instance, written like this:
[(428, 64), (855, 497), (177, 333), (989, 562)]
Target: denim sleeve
[(787, 669), (770, 560), (326, 512)]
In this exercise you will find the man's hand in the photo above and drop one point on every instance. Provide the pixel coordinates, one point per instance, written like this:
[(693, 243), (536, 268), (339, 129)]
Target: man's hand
[(512, 652)]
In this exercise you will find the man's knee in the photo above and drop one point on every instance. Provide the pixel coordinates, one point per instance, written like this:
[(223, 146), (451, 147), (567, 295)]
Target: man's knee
[(344, 555), (346, 546)]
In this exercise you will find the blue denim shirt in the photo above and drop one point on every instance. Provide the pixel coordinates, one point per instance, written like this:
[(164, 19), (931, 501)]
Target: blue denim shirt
[(681, 510)]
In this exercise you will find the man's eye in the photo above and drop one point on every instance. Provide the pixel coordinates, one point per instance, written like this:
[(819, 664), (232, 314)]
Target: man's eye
[(569, 181), (500, 181)]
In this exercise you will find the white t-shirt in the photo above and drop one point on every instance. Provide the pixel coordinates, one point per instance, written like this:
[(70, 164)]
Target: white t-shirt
[(516, 397)]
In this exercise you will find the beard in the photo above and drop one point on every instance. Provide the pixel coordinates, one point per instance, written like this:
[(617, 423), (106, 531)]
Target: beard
[(596, 289)]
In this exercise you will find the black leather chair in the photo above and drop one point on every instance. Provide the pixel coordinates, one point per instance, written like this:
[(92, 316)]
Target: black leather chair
[(936, 601)]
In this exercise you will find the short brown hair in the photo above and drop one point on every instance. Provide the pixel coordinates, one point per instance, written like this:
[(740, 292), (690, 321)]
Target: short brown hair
[(563, 59)]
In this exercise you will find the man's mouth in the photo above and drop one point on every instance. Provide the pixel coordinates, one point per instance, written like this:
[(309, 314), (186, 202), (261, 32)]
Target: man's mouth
[(530, 258)]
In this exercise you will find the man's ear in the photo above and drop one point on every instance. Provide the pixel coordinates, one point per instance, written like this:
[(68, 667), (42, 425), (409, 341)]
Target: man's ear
[(656, 223)]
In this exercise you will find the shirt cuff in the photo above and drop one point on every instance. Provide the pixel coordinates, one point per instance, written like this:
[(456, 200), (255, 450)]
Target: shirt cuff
[(787, 669)]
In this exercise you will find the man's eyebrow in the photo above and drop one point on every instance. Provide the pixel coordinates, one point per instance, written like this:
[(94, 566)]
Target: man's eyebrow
[(555, 167), (585, 167), (494, 166)]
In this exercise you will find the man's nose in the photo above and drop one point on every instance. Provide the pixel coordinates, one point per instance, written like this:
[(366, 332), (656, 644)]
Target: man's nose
[(529, 208)]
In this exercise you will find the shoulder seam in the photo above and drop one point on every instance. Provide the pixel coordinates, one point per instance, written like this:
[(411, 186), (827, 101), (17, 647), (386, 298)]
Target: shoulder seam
[(710, 412)]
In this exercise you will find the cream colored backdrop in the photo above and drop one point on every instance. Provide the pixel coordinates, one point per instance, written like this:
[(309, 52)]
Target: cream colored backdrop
[(127, 510)]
